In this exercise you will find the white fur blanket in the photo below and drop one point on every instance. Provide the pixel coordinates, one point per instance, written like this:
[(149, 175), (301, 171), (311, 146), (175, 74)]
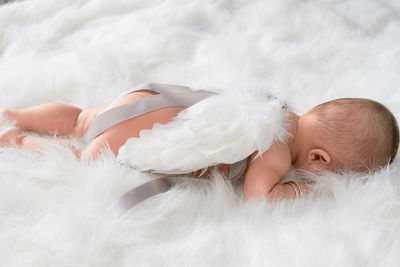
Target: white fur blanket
[(53, 208)]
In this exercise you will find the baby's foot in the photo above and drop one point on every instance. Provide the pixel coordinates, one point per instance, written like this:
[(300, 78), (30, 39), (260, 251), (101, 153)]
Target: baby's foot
[(11, 136), (5, 113)]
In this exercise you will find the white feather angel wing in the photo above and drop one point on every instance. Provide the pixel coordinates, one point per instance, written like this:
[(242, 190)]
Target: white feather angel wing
[(223, 128)]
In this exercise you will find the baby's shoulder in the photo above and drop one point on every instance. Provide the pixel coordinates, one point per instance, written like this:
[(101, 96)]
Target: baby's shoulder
[(277, 158)]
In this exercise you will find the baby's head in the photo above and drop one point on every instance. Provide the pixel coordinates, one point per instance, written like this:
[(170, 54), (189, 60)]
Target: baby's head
[(346, 134)]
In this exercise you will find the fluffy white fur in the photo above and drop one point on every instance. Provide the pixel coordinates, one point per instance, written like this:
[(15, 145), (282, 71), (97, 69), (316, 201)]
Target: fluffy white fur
[(54, 208), (223, 128)]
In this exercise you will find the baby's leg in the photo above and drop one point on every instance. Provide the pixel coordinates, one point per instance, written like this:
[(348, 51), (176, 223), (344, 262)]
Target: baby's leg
[(66, 120), (50, 118), (13, 136), (117, 135)]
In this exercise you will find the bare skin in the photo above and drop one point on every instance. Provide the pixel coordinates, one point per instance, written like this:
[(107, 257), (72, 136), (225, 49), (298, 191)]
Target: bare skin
[(261, 177)]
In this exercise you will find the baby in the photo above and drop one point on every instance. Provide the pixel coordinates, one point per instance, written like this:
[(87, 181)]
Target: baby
[(347, 134)]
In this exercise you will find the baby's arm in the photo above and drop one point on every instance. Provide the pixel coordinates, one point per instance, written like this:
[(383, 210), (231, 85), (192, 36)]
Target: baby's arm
[(265, 172)]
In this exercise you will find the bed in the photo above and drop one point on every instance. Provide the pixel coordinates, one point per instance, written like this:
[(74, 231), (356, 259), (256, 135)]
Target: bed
[(55, 210)]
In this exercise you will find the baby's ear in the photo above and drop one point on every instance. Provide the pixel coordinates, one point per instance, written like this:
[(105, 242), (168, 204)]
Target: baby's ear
[(319, 157)]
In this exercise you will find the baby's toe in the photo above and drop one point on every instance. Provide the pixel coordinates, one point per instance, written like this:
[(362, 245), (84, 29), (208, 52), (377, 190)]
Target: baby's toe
[(9, 135), (7, 114), (4, 113)]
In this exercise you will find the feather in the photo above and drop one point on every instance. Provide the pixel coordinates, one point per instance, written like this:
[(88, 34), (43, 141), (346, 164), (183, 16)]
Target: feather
[(223, 128)]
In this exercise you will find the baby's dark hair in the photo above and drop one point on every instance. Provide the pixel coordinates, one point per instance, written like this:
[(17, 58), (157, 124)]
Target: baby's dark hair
[(363, 133)]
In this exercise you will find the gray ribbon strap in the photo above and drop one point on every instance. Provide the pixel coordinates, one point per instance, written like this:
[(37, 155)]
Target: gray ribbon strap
[(111, 116), (168, 95), (237, 169), (143, 192), (162, 185)]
